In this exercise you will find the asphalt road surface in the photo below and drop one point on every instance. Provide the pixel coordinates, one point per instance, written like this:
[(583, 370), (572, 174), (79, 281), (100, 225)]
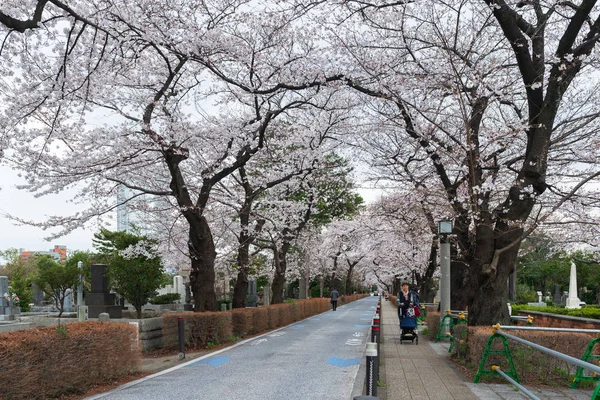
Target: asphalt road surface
[(317, 358)]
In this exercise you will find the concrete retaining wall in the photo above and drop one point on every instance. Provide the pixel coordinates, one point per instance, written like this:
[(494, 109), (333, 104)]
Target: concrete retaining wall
[(151, 336), (150, 329), (561, 321)]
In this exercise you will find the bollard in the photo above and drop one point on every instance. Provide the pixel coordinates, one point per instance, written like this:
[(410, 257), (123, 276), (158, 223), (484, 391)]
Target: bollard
[(372, 369), (376, 335), (375, 329), (180, 326)]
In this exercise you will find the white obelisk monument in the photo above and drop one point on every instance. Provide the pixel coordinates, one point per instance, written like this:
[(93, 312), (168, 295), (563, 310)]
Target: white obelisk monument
[(573, 300)]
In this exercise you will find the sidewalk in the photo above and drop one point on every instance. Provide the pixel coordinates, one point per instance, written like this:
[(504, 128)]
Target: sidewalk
[(423, 371)]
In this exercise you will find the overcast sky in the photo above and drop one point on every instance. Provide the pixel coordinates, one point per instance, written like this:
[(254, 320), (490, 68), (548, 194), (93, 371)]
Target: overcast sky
[(24, 205)]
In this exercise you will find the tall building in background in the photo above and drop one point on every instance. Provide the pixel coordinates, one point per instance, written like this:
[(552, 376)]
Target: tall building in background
[(122, 212), (59, 253)]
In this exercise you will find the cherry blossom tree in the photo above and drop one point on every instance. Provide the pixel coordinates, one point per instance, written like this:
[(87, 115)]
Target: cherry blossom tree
[(295, 205), (303, 152), (493, 104), (109, 95)]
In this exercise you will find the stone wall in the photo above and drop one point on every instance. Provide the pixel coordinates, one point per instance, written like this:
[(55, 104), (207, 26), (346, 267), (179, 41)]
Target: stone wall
[(561, 321), (151, 336)]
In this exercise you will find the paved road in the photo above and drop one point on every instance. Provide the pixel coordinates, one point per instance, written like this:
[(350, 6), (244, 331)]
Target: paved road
[(317, 358)]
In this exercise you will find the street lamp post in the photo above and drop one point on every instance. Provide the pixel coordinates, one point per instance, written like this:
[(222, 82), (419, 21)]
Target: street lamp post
[(445, 229)]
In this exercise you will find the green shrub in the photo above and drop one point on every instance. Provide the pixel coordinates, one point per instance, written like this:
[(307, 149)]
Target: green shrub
[(584, 312), (589, 297), (168, 298), (219, 302), (525, 294)]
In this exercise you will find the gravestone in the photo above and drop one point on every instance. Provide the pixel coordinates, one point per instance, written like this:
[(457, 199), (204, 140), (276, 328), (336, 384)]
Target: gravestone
[(188, 306), (267, 294), (252, 297), (8, 310), (82, 313), (563, 298), (99, 300), (539, 303), (3, 301), (556, 298), (68, 302), (3, 290), (179, 287), (38, 295)]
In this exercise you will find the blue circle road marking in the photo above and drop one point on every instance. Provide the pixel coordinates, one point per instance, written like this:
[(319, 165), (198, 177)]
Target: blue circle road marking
[(341, 362), (213, 361)]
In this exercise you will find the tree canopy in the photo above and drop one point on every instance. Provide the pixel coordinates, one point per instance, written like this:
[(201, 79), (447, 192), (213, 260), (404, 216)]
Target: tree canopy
[(134, 269), (485, 112)]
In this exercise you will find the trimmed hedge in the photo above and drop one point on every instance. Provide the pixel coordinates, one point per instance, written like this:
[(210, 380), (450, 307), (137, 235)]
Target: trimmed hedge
[(52, 361), (585, 312), (167, 298), (212, 328), (533, 366), (201, 329)]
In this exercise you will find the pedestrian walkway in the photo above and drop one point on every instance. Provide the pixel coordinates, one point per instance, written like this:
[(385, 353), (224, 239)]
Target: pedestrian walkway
[(423, 371)]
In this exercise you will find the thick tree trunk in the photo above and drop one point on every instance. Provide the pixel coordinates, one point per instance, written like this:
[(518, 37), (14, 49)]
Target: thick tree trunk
[(425, 281), (277, 288), (459, 281), (396, 286), (240, 290), (490, 294), (202, 275), (278, 285), (348, 288)]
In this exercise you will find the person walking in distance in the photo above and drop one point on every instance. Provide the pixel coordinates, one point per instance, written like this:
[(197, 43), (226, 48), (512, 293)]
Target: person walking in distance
[(334, 298)]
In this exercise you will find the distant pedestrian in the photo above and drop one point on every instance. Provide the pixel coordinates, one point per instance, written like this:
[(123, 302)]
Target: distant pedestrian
[(417, 293), (334, 298)]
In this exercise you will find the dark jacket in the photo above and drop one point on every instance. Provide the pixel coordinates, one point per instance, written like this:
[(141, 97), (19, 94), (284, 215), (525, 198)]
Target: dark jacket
[(404, 303), (334, 295)]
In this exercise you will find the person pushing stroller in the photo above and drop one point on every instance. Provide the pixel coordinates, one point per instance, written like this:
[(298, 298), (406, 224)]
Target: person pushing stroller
[(407, 301)]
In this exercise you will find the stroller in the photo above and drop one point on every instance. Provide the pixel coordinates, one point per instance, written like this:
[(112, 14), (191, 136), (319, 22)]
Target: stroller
[(408, 326)]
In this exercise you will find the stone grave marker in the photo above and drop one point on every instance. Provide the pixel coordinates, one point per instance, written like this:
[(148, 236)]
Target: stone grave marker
[(3, 289), (100, 300), (556, 298), (252, 297), (68, 302), (267, 294)]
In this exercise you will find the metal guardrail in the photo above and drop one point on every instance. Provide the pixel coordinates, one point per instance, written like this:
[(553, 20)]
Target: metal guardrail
[(512, 378), (553, 353), (516, 384), (548, 329)]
